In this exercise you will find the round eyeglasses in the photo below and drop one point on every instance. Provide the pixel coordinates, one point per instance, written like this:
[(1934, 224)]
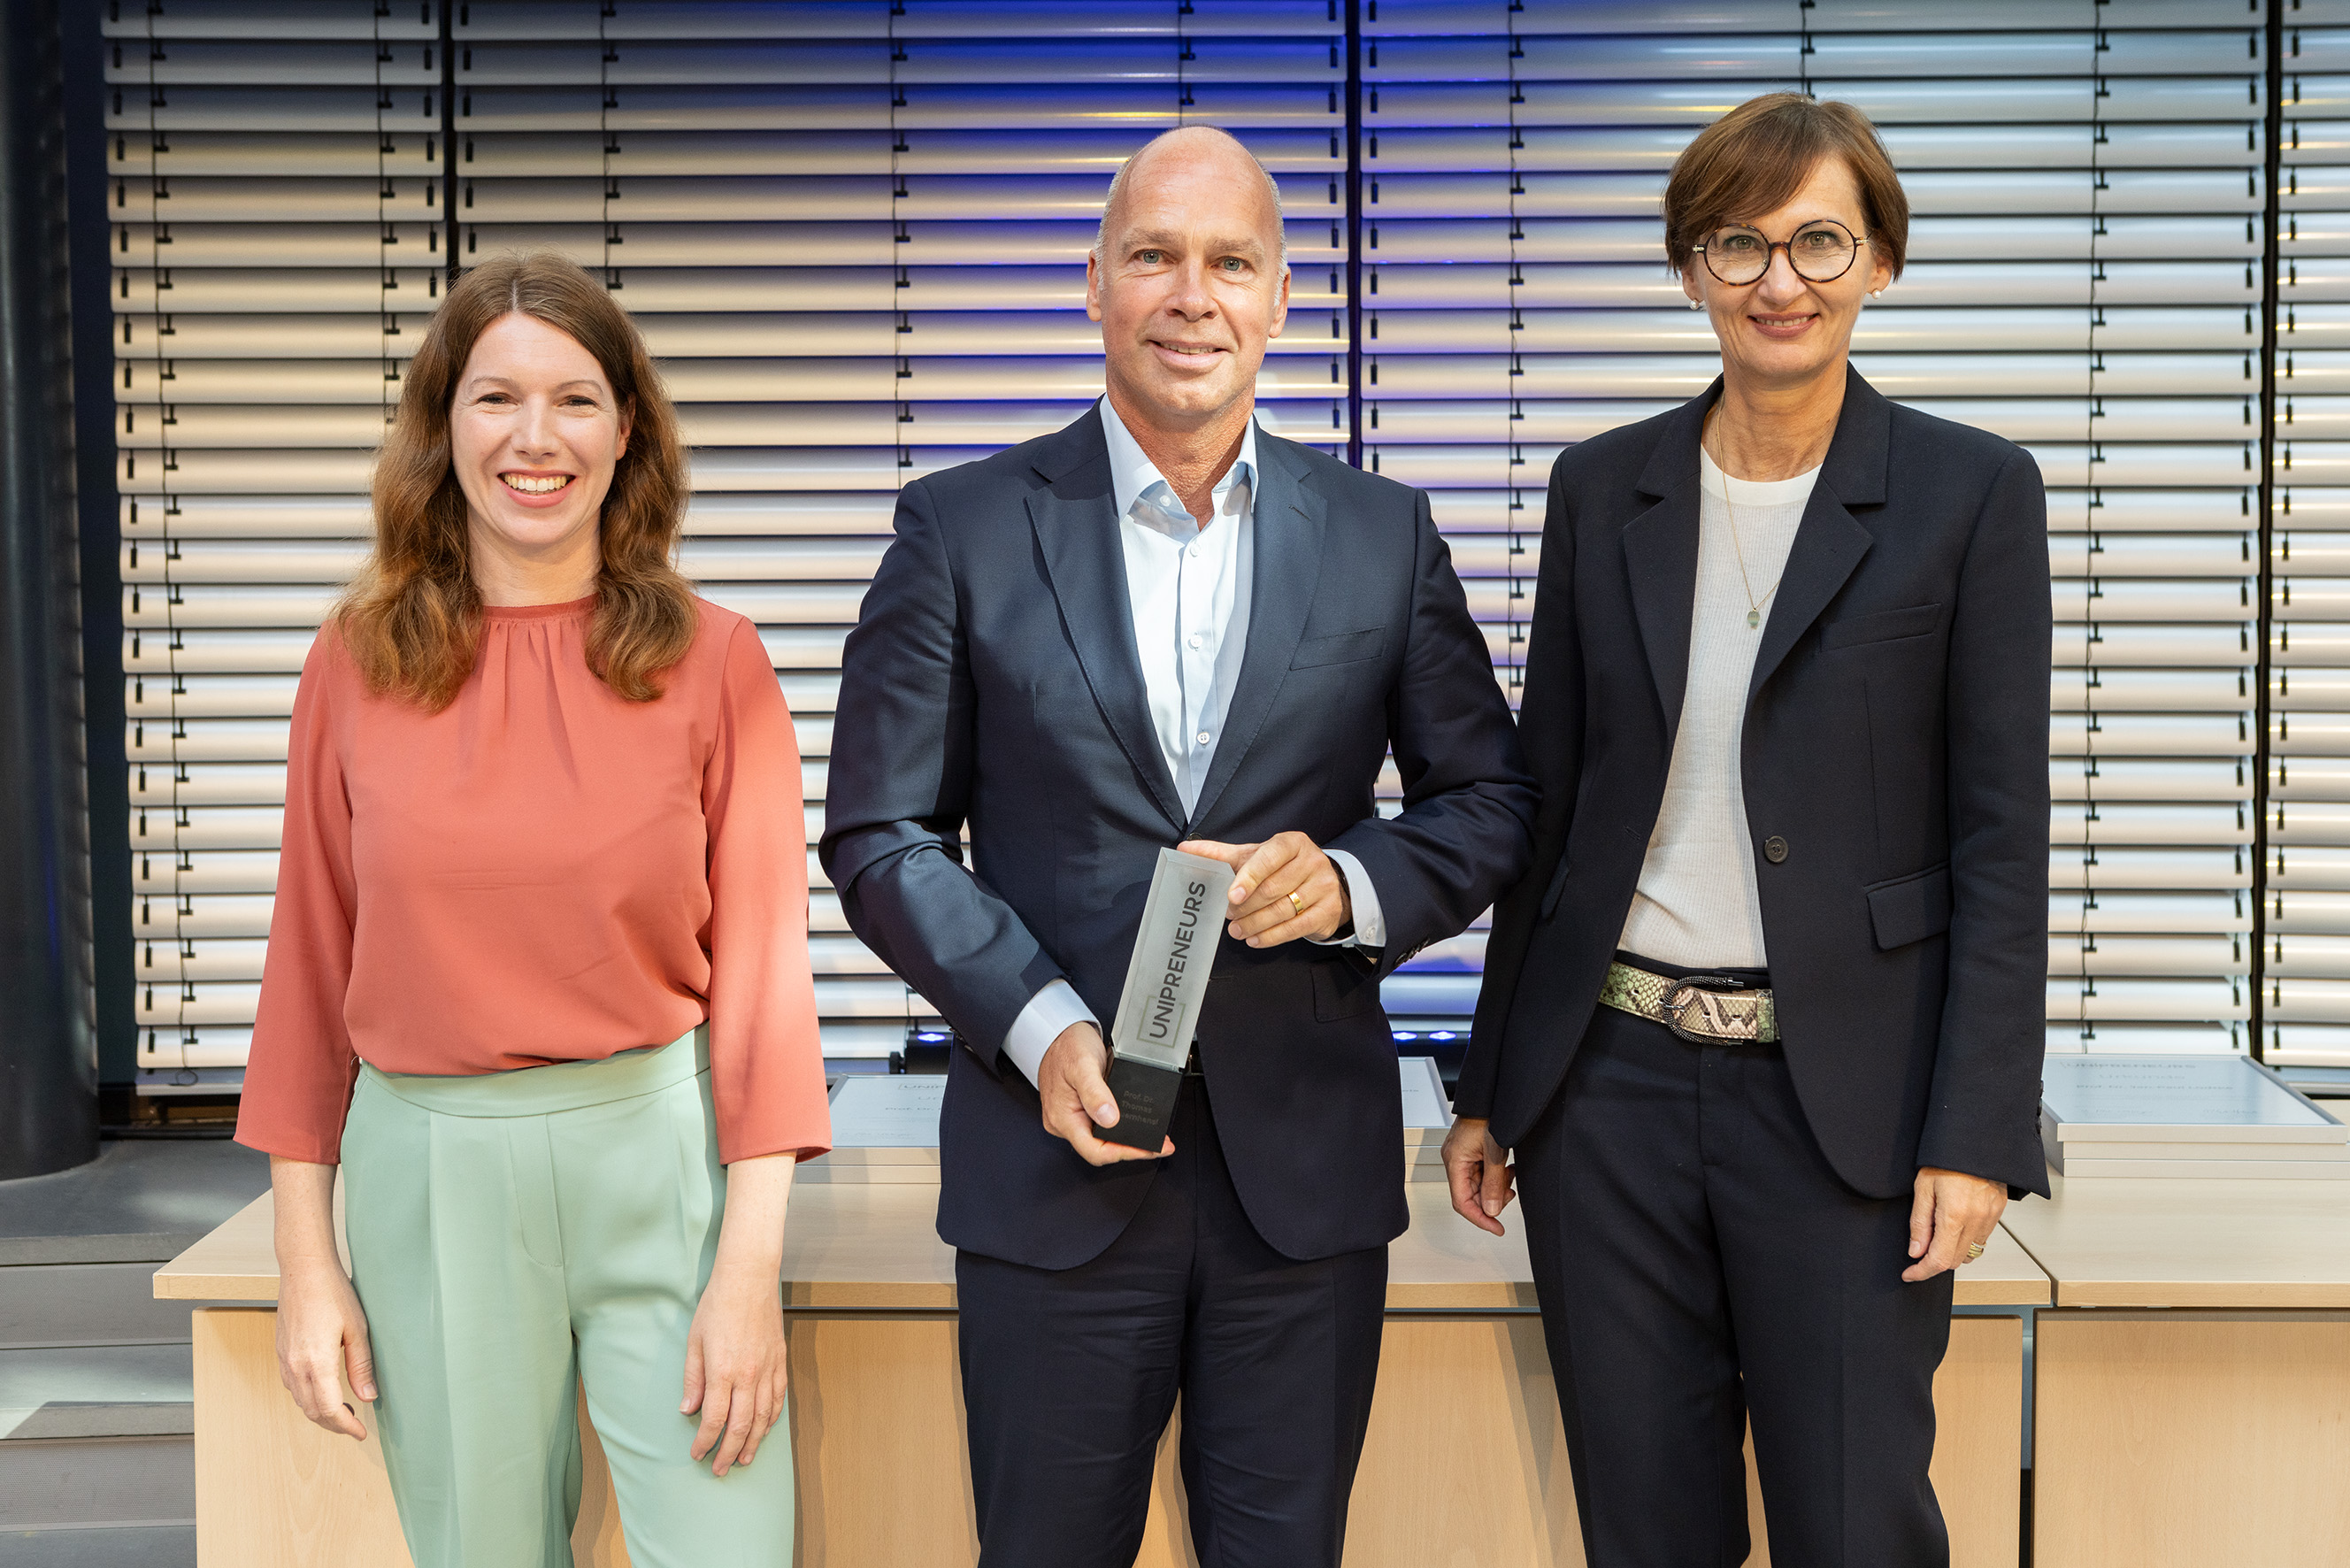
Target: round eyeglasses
[(1821, 252)]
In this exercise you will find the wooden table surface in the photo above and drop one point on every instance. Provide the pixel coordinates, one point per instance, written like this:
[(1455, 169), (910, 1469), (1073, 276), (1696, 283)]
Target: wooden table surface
[(2247, 1243), (859, 1247)]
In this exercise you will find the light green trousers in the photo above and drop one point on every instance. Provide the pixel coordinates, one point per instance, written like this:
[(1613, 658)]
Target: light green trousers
[(511, 1234)]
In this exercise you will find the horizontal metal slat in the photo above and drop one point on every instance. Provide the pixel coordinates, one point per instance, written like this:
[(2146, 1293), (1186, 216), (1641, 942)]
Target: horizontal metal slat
[(2151, 913), (1920, 376), (1986, 237), (2302, 822), (185, 61), (2108, 691), (1527, 417), (1142, 107), (875, 199), (2307, 733), (1134, 23), (2298, 1000), (2022, 193), (225, 199), (1494, 97), (2307, 910), (2163, 465), (2150, 734), (207, 696), (1470, 285), (291, 243), (2102, 956), (823, 334), (2319, 866), (2114, 553), (1550, 149), (166, 785), (2104, 822), (317, 19), (2149, 998), (1882, 329), (651, 154), (666, 62), (2140, 778), (2293, 689), (267, 154)]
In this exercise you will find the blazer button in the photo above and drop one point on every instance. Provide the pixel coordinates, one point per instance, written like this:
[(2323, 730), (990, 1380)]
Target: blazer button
[(1774, 849)]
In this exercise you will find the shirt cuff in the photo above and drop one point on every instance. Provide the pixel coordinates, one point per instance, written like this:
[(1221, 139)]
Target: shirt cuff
[(1371, 927), (1049, 1011)]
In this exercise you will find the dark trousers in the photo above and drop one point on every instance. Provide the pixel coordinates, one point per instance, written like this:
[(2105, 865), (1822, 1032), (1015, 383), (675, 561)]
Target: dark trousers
[(1698, 1264), (1069, 1376)]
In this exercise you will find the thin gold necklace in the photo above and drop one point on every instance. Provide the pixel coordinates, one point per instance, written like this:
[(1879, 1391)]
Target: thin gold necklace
[(1753, 605)]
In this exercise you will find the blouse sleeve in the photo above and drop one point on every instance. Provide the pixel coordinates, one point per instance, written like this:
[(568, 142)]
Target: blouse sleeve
[(299, 1071), (767, 1059)]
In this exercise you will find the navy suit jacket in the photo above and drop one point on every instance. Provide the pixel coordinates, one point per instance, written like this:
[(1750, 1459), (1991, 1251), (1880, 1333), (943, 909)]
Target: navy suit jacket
[(1896, 770), (992, 681)]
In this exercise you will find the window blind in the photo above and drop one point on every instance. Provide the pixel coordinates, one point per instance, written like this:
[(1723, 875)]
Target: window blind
[(2085, 279), (2306, 974), (853, 235)]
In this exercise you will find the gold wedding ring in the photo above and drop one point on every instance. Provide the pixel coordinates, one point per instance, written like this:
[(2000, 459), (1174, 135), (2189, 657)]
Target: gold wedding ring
[(1296, 905), (1974, 1251)]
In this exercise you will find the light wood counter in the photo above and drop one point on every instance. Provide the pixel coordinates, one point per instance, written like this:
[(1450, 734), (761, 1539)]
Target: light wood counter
[(2216, 1430), (1465, 1460), (2226, 1243), (853, 1247)]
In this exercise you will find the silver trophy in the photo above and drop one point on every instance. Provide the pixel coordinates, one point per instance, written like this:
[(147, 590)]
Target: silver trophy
[(1159, 1011)]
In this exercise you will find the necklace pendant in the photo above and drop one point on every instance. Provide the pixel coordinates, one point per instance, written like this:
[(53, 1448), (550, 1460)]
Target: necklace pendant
[(1754, 617)]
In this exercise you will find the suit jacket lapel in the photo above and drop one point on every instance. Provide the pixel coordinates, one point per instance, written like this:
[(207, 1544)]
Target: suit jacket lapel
[(1076, 526), (1829, 542), (1661, 555), (1288, 528)]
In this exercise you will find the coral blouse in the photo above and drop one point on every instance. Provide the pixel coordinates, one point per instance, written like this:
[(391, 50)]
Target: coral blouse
[(542, 872)]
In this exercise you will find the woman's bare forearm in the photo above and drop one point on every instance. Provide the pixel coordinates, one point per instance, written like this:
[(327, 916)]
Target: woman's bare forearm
[(751, 1236), (305, 1199)]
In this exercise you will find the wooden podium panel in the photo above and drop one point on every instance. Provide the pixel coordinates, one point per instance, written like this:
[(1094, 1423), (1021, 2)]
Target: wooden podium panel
[(1465, 1462), (2186, 1440)]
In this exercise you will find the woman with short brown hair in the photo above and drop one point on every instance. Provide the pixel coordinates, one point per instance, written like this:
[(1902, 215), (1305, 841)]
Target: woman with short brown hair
[(538, 977), (1763, 1022)]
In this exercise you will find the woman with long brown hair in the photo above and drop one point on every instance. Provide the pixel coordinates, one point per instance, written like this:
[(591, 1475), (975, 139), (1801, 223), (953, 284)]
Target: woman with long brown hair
[(538, 975)]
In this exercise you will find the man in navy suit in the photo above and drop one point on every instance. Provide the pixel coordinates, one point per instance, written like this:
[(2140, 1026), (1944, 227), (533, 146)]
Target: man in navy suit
[(1161, 626)]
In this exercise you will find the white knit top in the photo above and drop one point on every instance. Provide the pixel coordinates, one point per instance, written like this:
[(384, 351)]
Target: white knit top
[(1697, 904)]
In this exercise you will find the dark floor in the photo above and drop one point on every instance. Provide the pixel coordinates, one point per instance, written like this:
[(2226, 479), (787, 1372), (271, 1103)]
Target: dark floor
[(97, 1463), (141, 1201)]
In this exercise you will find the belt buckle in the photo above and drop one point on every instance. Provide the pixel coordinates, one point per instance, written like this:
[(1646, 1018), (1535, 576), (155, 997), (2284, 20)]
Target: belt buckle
[(1693, 991)]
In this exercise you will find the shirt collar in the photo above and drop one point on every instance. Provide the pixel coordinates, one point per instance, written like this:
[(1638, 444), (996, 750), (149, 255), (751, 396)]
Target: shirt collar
[(1132, 474)]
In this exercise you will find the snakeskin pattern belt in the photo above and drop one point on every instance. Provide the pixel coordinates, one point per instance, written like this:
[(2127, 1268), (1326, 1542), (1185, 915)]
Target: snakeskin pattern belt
[(1702, 1007)]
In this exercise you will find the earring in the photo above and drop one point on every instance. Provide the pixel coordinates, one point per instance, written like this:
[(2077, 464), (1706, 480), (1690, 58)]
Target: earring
[(1697, 304)]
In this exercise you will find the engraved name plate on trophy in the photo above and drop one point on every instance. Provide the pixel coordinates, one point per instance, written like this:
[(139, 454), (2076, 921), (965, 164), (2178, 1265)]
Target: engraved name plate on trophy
[(1167, 979)]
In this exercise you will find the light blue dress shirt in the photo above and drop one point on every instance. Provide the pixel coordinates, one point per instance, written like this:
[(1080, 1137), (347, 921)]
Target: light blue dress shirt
[(1189, 588)]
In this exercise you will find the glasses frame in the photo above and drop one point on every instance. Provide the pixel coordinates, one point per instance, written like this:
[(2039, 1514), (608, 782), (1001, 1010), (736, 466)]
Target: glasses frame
[(1775, 246)]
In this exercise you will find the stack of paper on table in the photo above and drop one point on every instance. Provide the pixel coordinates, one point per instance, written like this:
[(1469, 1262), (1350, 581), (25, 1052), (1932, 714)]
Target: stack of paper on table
[(2183, 1116), (885, 1126)]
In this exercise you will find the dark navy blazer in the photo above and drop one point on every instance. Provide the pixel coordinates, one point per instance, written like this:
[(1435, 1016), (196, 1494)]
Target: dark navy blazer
[(992, 681), (1896, 770)]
